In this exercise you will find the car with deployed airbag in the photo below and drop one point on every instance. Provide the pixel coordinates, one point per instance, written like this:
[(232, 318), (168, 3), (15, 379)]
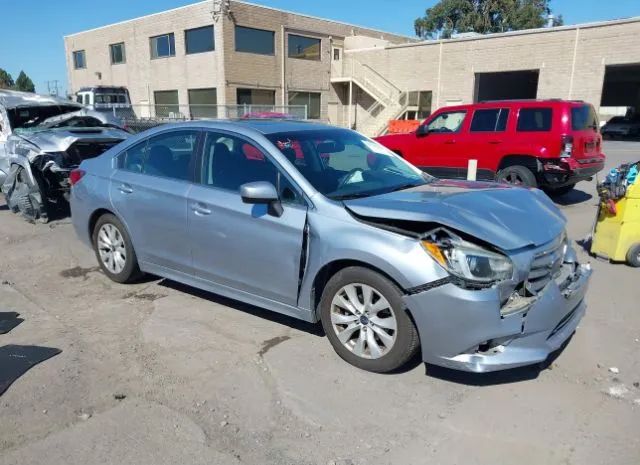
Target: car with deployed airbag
[(324, 224)]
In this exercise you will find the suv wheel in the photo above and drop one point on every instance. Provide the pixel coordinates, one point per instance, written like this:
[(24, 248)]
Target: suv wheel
[(114, 250), (366, 322), (517, 175)]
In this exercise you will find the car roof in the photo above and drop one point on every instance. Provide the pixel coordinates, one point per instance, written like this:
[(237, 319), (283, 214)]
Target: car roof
[(264, 126), (14, 99), (516, 103)]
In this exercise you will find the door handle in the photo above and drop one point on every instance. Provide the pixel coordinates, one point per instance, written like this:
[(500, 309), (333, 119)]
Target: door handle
[(201, 210), (495, 142), (125, 189), (450, 141)]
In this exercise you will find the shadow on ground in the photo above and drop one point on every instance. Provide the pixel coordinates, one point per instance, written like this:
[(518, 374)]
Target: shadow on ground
[(294, 323), (573, 197)]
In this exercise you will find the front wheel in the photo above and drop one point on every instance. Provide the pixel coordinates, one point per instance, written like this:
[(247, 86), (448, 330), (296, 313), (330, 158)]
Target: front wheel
[(633, 256), (517, 175), (114, 250), (366, 321)]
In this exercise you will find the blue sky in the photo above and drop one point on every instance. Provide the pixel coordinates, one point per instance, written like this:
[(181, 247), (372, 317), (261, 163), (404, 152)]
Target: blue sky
[(32, 30)]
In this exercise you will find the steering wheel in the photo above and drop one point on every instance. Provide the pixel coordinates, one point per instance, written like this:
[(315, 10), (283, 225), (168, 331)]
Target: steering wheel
[(347, 177)]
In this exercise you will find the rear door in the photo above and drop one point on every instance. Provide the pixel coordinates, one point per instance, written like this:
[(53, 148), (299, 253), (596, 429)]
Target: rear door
[(438, 151), (149, 193), (238, 245), (486, 140), (585, 128)]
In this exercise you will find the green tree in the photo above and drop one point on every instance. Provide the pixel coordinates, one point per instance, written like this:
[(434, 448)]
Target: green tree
[(482, 16), (6, 81), (24, 83)]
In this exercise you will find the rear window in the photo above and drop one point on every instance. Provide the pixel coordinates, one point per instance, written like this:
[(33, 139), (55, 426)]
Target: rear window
[(584, 117), (535, 119)]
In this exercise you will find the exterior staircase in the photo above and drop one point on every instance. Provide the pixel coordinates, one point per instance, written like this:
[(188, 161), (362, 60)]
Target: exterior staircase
[(389, 101)]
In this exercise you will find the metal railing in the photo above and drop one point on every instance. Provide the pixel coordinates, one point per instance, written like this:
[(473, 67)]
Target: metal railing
[(139, 117)]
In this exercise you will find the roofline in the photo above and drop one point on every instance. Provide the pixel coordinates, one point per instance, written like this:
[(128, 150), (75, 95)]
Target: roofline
[(191, 5), (542, 30)]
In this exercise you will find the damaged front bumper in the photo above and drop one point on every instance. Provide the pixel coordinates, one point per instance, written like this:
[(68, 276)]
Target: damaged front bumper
[(465, 329)]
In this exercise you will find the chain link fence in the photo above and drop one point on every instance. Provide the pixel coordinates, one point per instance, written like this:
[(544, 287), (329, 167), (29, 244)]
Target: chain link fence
[(138, 118)]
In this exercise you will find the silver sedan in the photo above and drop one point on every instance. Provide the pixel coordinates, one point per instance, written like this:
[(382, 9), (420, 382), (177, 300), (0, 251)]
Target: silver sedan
[(324, 224)]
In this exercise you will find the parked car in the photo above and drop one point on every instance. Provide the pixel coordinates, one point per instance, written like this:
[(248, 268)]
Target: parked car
[(321, 223), (551, 144), (622, 126), (42, 139)]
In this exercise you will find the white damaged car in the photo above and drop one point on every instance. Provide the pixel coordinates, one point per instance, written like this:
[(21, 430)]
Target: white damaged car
[(42, 139)]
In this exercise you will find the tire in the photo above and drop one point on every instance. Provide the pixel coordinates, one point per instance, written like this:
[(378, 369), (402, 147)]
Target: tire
[(560, 191), (517, 175), (387, 353), (633, 256), (116, 235)]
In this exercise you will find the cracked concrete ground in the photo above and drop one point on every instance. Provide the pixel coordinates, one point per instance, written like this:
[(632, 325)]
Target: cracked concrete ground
[(164, 374)]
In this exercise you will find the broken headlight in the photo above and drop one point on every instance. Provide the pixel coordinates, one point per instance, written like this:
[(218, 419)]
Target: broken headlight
[(469, 261)]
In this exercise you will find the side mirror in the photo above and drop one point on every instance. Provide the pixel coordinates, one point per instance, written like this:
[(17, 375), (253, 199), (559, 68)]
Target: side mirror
[(422, 130), (262, 193)]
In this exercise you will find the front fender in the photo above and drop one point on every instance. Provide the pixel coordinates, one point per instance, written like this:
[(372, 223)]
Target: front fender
[(401, 258)]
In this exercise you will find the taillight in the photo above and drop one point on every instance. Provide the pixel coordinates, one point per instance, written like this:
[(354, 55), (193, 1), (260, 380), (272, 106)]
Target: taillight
[(75, 176), (567, 147)]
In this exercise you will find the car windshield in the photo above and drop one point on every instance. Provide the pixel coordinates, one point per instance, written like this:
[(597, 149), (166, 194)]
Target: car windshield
[(342, 164)]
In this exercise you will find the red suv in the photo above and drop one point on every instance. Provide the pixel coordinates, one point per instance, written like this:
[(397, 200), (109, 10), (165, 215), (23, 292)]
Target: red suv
[(550, 144)]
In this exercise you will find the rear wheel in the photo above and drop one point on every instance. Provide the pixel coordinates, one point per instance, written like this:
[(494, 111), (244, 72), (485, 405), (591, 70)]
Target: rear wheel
[(517, 175), (633, 256), (114, 250), (366, 322)]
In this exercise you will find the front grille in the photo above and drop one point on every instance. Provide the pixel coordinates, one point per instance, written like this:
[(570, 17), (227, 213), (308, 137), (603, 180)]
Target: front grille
[(546, 265)]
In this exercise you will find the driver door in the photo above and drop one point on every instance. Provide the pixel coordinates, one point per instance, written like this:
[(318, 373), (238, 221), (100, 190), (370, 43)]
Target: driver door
[(242, 246), (438, 150)]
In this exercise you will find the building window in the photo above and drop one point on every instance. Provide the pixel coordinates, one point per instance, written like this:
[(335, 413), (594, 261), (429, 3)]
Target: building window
[(79, 60), (419, 104), (166, 103), (255, 41), (202, 103), (199, 40), (117, 52), (306, 48), (534, 119), (256, 97), (490, 120), (310, 99), (163, 46), (336, 54)]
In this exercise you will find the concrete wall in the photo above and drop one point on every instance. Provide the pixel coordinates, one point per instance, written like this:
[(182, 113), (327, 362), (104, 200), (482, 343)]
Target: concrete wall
[(571, 60)]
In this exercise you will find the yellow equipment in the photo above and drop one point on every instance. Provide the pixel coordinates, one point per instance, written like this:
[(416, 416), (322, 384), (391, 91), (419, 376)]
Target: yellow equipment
[(617, 233)]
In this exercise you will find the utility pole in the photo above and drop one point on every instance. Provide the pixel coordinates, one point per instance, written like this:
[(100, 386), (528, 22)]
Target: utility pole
[(52, 87)]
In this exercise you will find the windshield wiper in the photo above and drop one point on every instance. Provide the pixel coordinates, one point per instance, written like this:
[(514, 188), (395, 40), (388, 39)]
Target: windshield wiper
[(406, 186)]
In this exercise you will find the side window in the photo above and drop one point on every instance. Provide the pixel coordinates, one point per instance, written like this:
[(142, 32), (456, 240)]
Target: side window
[(228, 162), (169, 154), (490, 120), (447, 122), (133, 158), (534, 119)]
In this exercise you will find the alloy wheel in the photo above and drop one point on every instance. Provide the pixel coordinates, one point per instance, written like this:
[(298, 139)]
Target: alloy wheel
[(364, 321), (111, 248)]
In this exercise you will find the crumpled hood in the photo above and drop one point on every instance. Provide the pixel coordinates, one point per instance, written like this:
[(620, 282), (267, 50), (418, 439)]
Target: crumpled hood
[(507, 217), (59, 140)]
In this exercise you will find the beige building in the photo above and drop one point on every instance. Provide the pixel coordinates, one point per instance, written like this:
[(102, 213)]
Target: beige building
[(228, 53), (217, 52)]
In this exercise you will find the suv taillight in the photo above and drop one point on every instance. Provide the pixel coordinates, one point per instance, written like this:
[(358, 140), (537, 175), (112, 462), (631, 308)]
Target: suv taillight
[(75, 176), (567, 147)]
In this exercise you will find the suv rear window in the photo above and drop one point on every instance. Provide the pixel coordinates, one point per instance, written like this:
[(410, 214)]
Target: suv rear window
[(584, 117), (535, 119)]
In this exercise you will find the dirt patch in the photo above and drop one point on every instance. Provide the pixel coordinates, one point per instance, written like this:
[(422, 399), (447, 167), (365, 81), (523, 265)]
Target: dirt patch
[(78, 272), (146, 297), (271, 343)]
